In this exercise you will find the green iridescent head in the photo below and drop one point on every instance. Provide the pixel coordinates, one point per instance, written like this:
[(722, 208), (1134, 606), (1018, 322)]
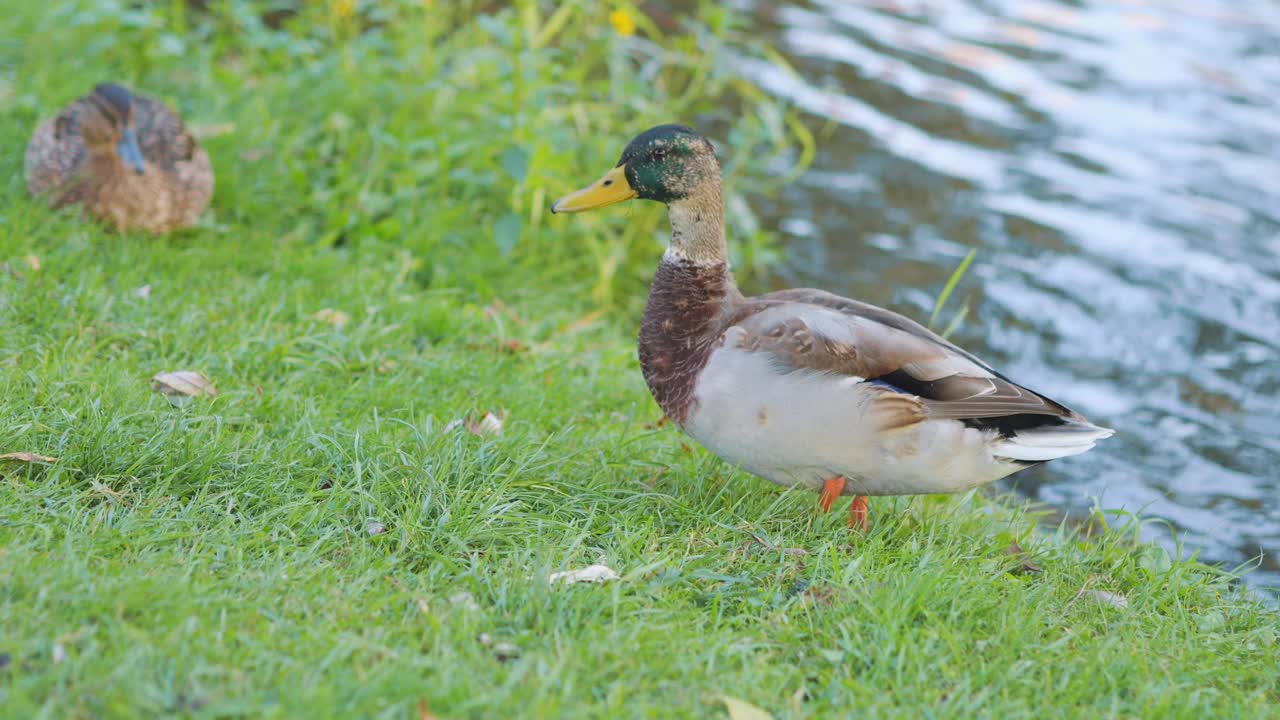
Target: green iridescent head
[(666, 163)]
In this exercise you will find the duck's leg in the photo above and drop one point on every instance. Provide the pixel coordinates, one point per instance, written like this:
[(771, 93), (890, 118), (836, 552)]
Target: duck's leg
[(858, 513), (831, 490)]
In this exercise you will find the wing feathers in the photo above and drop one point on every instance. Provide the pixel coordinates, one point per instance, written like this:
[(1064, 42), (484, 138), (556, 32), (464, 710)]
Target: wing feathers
[(804, 329)]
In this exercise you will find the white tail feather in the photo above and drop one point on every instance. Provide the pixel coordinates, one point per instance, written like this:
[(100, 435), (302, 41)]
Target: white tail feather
[(1050, 443)]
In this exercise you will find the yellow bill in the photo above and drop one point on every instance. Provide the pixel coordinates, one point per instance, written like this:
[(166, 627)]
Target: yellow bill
[(610, 189)]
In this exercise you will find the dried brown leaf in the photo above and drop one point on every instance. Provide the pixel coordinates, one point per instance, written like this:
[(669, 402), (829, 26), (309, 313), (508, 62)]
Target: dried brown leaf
[(336, 318), (589, 574), (490, 424), (1025, 566), (29, 457), (183, 383)]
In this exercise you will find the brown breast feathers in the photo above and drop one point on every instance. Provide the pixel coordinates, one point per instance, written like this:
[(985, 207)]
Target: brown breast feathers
[(689, 305)]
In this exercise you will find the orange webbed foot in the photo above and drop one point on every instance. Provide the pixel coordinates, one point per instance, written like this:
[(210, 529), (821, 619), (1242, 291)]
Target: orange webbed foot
[(831, 490), (858, 512)]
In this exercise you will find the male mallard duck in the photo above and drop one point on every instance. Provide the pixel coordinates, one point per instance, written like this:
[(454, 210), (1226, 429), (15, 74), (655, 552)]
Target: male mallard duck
[(803, 387), (128, 160)]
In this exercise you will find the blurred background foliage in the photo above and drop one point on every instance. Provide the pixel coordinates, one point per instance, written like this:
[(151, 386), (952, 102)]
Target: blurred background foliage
[(439, 126)]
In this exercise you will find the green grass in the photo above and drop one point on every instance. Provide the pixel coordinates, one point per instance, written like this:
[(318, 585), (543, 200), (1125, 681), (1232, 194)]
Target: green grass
[(216, 560)]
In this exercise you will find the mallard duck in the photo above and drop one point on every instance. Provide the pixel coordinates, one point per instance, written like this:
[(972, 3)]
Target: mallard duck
[(806, 388), (126, 159)]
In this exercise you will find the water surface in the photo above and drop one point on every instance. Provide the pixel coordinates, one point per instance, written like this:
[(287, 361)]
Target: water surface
[(1117, 166)]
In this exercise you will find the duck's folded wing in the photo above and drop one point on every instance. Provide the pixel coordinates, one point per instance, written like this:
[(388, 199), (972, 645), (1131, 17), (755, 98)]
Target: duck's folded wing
[(162, 135), (888, 318), (53, 158), (168, 143), (886, 349)]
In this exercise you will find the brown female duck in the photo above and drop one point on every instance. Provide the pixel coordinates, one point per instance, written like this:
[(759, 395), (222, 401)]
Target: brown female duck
[(126, 159), (803, 387)]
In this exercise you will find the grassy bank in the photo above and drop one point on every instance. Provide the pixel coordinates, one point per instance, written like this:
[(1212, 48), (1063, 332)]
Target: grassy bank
[(321, 538)]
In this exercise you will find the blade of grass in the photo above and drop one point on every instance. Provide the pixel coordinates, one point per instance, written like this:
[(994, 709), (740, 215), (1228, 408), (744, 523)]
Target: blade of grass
[(951, 286), (956, 321)]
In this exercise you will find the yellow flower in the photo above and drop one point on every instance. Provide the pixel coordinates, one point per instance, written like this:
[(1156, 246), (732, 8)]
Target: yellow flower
[(342, 8), (622, 22)]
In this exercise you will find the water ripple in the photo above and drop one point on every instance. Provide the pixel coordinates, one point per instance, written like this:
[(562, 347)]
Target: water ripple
[(1115, 165)]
